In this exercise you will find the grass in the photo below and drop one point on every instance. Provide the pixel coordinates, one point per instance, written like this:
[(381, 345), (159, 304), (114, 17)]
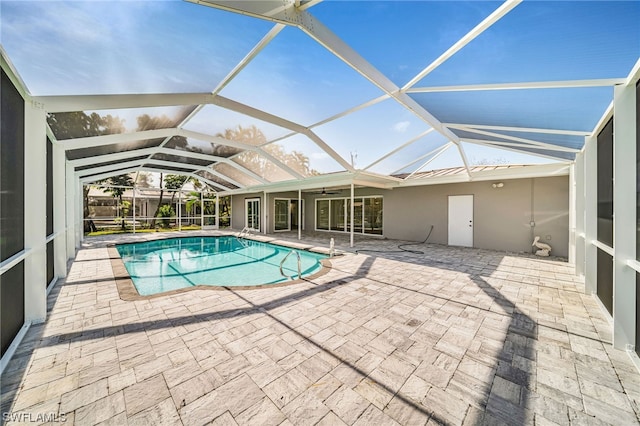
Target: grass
[(138, 230)]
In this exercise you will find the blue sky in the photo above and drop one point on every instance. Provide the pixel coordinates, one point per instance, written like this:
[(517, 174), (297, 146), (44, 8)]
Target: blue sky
[(93, 47)]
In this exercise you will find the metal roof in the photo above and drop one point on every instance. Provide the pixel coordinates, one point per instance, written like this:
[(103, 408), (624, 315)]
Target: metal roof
[(261, 95)]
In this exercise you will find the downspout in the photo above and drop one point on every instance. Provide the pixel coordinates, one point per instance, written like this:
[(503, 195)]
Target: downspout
[(532, 222)]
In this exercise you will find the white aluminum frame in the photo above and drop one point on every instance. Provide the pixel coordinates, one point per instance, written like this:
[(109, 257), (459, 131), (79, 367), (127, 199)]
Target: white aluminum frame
[(289, 203)]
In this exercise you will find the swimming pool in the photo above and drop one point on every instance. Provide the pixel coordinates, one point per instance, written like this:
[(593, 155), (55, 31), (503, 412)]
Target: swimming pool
[(176, 263)]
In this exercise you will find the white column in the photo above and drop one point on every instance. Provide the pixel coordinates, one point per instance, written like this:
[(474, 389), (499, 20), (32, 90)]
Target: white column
[(180, 210), (580, 213), (59, 212), (299, 214), (70, 210), (352, 222), (591, 214), (572, 214), (79, 200), (264, 213), (624, 215), (134, 205), (217, 219), (35, 209)]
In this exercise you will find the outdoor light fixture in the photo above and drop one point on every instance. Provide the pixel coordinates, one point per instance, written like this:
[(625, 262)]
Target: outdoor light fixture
[(497, 185)]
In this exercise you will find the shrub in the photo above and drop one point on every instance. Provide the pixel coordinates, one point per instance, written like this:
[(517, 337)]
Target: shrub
[(165, 212)]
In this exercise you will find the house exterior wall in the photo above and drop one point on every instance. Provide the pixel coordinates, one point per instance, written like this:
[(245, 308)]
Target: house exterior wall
[(502, 216), (238, 209)]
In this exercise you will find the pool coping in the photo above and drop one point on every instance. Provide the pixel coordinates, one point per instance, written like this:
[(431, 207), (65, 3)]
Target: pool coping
[(128, 292)]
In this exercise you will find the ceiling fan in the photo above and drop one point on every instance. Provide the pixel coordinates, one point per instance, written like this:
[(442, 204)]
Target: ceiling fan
[(325, 192)]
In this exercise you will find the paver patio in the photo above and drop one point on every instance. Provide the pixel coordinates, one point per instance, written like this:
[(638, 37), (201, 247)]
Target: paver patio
[(451, 336)]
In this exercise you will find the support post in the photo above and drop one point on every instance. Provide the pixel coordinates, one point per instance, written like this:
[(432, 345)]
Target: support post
[(591, 214), (572, 214), (264, 213), (35, 207), (352, 211), (78, 202), (217, 217), (580, 214), (299, 214), (624, 215), (180, 210), (59, 213), (202, 210), (134, 207), (70, 210)]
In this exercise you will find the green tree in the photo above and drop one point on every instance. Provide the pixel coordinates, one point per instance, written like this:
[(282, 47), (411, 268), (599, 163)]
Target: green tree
[(166, 212), (174, 183), (259, 164), (120, 184), (70, 125), (193, 202)]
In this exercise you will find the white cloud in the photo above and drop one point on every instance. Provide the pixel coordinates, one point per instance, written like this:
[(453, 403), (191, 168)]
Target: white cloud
[(401, 126)]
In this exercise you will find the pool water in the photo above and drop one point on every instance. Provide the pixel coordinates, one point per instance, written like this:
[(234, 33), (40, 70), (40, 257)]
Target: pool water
[(165, 265)]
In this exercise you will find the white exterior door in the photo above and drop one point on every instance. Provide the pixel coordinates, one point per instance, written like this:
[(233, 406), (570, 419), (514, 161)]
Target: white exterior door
[(461, 220)]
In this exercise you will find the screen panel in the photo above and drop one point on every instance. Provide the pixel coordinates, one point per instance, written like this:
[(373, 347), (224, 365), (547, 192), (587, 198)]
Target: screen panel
[(97, 151), (572, 108), (49, 187), (11, 304), (215, 179), (50, 263), (180, 143), (181, 159), (605, 280), (11, 170), (605, 184), (109, 163), (235, 174), (264, 168), (80, 42), (638, 173), (305, 82), (637, 314)]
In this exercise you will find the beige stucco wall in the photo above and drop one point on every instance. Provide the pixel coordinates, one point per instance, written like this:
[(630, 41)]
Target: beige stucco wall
[(501, 216), (238, 207)]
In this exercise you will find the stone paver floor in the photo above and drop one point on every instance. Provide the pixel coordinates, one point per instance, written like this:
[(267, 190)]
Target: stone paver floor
[(451, 336)]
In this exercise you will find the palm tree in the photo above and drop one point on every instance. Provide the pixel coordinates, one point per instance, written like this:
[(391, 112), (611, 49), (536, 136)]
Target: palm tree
[(193, 203)]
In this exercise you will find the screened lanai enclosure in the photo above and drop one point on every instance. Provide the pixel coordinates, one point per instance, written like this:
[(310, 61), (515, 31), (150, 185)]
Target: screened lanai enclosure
[(482, 124)]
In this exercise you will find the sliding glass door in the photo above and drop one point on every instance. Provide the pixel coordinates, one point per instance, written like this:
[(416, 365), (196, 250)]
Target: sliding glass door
[(285, 214), (281, 215), (322, 215), (334, 214)]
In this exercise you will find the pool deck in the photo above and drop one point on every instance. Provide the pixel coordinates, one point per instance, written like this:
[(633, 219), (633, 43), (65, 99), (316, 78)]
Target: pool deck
[(452, 336)]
